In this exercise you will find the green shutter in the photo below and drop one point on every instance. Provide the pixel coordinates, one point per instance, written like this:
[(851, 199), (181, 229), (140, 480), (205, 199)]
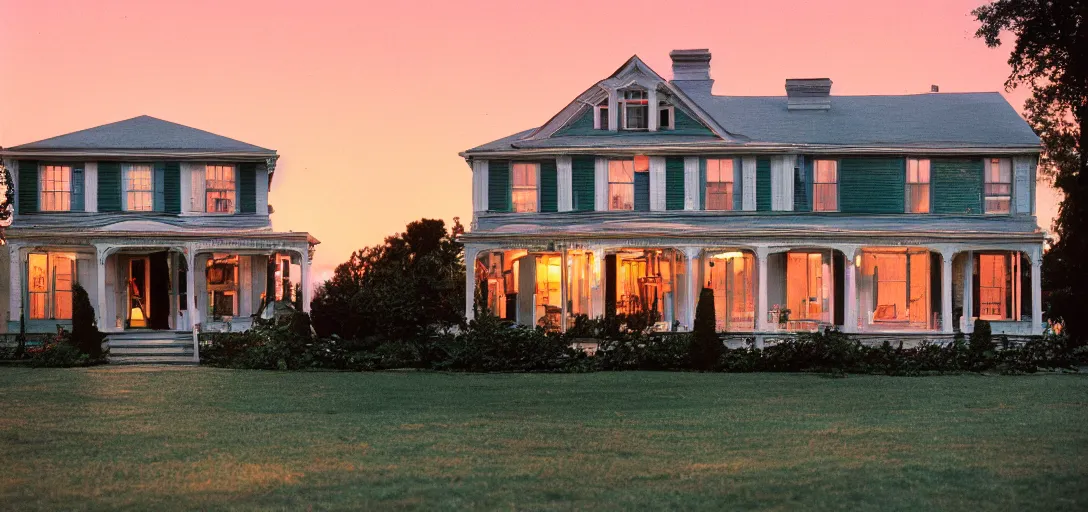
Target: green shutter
[(642, 191), (802, 186), (738, 184), (674, 183), (498, 186), (28, 186), (247, 187), (763, 184), (583, 180), (158, 197), (872, 185), (109, 186), (701, 201), (172, 187), (549, 187), (78, 194), (956, 185)]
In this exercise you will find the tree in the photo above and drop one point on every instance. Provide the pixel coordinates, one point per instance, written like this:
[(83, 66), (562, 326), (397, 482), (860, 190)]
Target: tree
[(1051, 57), (85, 334), (7, 203), (706, 346), (402, 289)]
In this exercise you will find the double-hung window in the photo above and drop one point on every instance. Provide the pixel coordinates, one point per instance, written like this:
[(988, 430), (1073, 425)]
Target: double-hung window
[(719, 184), (998, 185), (56, 188), (138, 187), (917, 185), (825, 186), (525, 187), (49, 285), (621, 184), (636, 109), (219, 188)]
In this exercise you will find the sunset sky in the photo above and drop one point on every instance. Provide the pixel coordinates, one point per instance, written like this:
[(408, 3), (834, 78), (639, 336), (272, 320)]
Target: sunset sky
[(369, 104)]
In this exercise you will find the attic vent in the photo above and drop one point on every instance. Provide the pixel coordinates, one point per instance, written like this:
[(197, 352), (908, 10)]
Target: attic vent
[(808, 93)]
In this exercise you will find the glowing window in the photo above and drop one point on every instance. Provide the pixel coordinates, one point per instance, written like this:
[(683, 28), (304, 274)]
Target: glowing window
[(998, 185), (621, 181), (138, 187), (917, 185), (719, 184), (56, 188), (525, 187), (826, 186), (219, 188), (49, 286)]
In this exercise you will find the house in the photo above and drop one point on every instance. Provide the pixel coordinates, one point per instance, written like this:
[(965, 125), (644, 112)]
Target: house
[(905, 215), (167, 228)]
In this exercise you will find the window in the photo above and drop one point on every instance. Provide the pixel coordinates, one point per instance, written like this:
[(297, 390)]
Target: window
[(524, 188), (917, 185), (809, 285), (137, 187), (222, 278), (636, 110), (998, 185), (665, 116), (601, 115), (219, 187), (56, 188), (49, 285), (730, 274), (621, 181), (826, 186), (719, 184), (998, 286), (894, 288)]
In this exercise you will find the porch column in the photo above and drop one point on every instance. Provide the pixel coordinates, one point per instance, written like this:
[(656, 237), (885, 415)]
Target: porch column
[(101, 253), (563, 291), (15, 278), (596, 300), (304, 281), (471, 252), (946, 290), (694, 290), (968, 285), (190, 292), (1037, 291), (761, 293), (850, 291)]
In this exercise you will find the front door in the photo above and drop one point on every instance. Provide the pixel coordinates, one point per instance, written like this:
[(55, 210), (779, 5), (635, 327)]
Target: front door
[(137, 311), (159, 290)]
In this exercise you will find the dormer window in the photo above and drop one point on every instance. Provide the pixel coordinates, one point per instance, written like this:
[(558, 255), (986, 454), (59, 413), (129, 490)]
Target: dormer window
[(600, 120), (665, 116), (635, 108)]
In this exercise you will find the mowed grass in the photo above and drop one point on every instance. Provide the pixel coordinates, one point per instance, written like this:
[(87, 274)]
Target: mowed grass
[(199, 438)]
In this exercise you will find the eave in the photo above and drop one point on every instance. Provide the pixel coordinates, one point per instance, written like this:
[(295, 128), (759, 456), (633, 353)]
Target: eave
[(140, 154), (758, 148)]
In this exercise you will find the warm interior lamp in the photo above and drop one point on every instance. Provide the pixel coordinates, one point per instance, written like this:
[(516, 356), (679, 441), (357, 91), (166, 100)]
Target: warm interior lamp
[(136, 318), (728, 255), (857, 261)]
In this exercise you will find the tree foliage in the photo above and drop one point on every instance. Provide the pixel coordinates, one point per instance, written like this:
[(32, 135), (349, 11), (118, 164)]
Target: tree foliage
[(85, 334), (1051, 57), (706, 346), (402, 289), (7, 201)]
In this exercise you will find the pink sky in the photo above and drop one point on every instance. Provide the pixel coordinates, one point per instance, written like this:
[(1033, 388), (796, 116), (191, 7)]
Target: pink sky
[(368, 105)]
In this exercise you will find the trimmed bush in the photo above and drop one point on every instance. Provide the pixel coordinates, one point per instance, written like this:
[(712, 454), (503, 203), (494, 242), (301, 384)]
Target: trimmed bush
[(706, 345), (85, 334)]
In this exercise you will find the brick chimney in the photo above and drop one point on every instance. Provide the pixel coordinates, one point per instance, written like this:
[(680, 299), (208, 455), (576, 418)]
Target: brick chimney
[(691, 70), (808, 93)]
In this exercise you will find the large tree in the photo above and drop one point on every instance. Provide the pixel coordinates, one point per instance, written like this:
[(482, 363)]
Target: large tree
[(1051, 57), (7, 199), (402, 289)]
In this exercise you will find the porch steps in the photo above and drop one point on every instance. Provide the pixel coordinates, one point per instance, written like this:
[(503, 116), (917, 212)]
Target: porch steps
[(151, 347)]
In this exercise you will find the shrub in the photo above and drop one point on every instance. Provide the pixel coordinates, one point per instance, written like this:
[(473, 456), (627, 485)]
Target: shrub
[(490, 344), (85, 334), (639, 351), (706, 346), (981, 348), (58, 351)]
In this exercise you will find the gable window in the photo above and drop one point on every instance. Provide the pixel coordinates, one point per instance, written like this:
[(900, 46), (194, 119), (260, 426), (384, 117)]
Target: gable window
[(998, 185), (219, 188), (137, 187), (917, 185), (719, 184), (601, 110), (665, 116), (56, 188), (525, 187), (635, 108), (621, 181), (49, 285), (825, 186)]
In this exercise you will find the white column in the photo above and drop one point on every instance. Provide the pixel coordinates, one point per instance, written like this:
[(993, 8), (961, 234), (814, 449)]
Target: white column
[(190, 289), (946, 290), (761, 293), (564, 167), (600, 184), (968, 290), (564, 292), (101, 253), (850, 291), (657, 183), (15, 279), (304, 281), (596, 301), (691, 183), (1037, 291), (470, 280), (691, 255)]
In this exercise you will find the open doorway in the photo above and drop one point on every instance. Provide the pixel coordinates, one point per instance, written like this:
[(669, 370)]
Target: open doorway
[(148, 291)]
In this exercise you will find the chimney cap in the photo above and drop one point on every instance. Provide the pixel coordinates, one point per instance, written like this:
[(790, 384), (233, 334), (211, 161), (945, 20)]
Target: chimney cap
[(808, 93)]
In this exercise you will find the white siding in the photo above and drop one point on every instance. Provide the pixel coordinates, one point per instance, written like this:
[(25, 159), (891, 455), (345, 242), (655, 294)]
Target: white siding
[(782, 169), (600, 175), (1021, 182), (748, 178), (90, 187), (192, 188), (564, 183), (691, 183), (657, 183), (479, 185)]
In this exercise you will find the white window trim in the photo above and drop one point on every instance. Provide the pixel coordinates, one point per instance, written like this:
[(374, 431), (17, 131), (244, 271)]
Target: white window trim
[(672, 117), (623, 111), (1011, 184)]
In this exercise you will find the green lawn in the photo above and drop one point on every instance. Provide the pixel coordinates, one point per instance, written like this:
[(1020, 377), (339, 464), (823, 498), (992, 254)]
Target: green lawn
[(144, 438)]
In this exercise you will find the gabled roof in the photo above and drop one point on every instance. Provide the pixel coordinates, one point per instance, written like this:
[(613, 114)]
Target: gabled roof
[(938, 121), (142, 134)]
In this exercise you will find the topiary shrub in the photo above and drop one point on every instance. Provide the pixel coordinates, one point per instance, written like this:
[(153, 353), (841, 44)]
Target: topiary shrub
[(981, 351), (85, 334), (706, 346)]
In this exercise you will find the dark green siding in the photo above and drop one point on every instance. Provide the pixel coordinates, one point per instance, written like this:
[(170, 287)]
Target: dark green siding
[(738, 184), (247, 187), (28, 186), (871, 185), (956, 185), (549, 187), (674, 183), (172, 187), (682, 125), (498, 186), (763, 184), (158, 174), (109, 186), (686, 125), (802, 186), (78, 188), (642, 191), (583, 125), (702, 184), (583, 183)]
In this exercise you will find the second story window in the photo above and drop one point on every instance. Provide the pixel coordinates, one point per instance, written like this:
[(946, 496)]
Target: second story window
[(137, 187), (219, 188), (602, 115), (621, 181), (635, 107), (524, 187), (56, 188), (719, 184), (998, 185), (665, 116), (917, 185), (825, 186)]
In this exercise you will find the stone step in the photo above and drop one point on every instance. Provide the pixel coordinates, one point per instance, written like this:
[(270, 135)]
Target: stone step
[(170, 360), (151, 350), (150, 343)]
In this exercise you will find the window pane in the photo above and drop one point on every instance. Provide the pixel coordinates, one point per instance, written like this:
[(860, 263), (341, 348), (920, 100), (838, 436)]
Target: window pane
[(826, 198), (55, 188), (642, 163), (219, 188), (826, 171), (621, 196), (918, 194)]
